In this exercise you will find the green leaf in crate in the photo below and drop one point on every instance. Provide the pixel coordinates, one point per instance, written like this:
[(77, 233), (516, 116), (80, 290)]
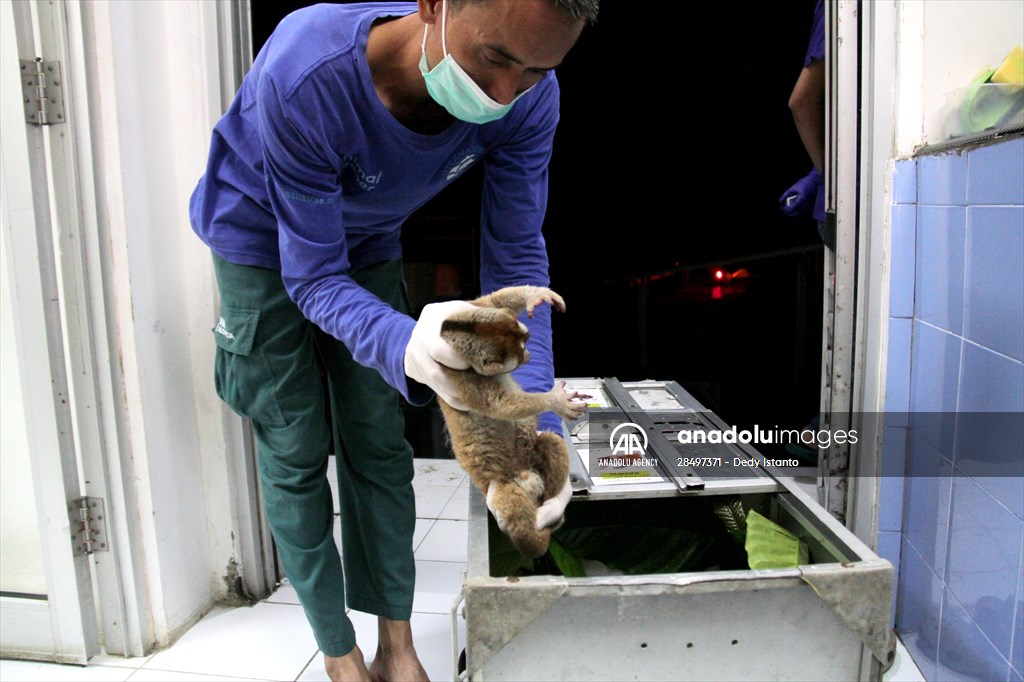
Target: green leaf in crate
[(731, 512), (639, 550), (769, 545), (505, 559), (568, 563)]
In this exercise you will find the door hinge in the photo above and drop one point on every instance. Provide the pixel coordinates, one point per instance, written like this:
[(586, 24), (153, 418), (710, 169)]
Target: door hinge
[(42, 91), (88, 525)]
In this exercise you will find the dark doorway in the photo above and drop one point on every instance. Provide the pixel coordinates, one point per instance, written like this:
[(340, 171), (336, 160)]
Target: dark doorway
[(674, 146)]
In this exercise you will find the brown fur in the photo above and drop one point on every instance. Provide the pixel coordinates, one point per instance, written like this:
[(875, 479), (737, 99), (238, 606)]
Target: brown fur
[(496, 439)]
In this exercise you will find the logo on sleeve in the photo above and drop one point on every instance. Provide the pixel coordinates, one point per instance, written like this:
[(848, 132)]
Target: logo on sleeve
[(460, 161), (352, 170)]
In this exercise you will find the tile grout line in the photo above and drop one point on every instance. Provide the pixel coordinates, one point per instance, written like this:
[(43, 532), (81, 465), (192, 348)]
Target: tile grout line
[(306, 667), (185, 672)]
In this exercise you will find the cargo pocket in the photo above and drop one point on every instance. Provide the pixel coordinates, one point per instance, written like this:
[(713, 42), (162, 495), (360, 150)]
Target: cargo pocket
[(242, 376)]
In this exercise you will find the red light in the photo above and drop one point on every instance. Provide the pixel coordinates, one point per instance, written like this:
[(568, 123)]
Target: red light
[(719, 274)]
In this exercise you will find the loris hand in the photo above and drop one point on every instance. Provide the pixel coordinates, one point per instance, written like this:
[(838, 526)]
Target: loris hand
[(551, 511), (565, 404), (540, 295), (492, 488), (427, 351), (548, 514)]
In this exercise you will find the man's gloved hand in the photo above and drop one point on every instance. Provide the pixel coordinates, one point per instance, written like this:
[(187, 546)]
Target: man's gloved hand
[(548, 513), (427, 351), (799, 199)]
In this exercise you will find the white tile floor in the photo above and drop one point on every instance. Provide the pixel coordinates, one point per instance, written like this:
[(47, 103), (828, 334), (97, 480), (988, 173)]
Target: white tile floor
[(273, 641)]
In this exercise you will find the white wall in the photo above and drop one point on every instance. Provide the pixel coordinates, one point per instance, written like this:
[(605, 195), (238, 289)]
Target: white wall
[(941, 47), (154, 97), (143, 90)]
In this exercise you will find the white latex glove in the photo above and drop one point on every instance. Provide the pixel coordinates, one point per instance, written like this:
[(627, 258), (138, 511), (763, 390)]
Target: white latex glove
[(548, 513), (427, 351)]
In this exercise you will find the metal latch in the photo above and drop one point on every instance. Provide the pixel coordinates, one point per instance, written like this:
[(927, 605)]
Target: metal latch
[(88, 525), (43, 91)]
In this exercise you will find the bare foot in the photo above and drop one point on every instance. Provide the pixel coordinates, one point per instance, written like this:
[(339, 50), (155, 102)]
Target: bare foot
[(347, 668), (397, 668), (396, 659)]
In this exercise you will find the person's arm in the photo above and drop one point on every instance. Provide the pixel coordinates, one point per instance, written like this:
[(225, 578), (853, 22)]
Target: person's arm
[(512, 248), (807, 102), (301, 170)]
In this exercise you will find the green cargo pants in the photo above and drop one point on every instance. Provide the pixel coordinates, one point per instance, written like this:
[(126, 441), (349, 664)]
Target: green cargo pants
[(266, 369)]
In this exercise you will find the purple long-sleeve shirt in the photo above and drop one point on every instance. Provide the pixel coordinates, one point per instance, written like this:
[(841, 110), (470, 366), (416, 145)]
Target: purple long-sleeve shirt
[(309, 174)]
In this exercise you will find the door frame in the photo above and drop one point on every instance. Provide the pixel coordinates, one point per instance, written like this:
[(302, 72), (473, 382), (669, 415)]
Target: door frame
[(860, 114), (78, 256)]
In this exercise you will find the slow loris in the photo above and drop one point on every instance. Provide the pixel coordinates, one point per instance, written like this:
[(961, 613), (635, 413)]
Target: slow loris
[(496, 439)]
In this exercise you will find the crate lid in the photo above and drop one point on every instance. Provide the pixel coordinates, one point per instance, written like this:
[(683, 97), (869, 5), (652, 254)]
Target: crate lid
[(653, 438)]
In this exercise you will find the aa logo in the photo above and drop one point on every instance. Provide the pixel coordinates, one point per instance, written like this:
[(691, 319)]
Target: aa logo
[(628, 439)]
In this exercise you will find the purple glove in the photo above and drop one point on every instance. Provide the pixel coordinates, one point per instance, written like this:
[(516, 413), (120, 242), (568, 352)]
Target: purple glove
[(819, 203), (802, 197)]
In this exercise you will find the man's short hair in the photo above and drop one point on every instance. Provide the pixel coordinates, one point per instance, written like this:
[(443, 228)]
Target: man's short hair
[(579, 9)]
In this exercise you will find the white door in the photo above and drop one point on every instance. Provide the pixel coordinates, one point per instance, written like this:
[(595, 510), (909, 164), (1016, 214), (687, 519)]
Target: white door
[(97, 259), (46, 601)]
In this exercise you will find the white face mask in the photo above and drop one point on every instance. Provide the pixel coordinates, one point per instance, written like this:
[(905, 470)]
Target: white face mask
[(454, 89)]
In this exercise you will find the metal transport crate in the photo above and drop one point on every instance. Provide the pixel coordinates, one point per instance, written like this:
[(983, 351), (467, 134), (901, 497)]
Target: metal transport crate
[(826, 620)]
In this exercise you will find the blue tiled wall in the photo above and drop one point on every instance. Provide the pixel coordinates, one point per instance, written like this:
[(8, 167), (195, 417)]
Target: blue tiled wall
[(954, 525)]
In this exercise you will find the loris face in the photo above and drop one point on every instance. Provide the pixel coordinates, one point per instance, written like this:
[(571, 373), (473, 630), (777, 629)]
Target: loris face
[(490, 339)]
